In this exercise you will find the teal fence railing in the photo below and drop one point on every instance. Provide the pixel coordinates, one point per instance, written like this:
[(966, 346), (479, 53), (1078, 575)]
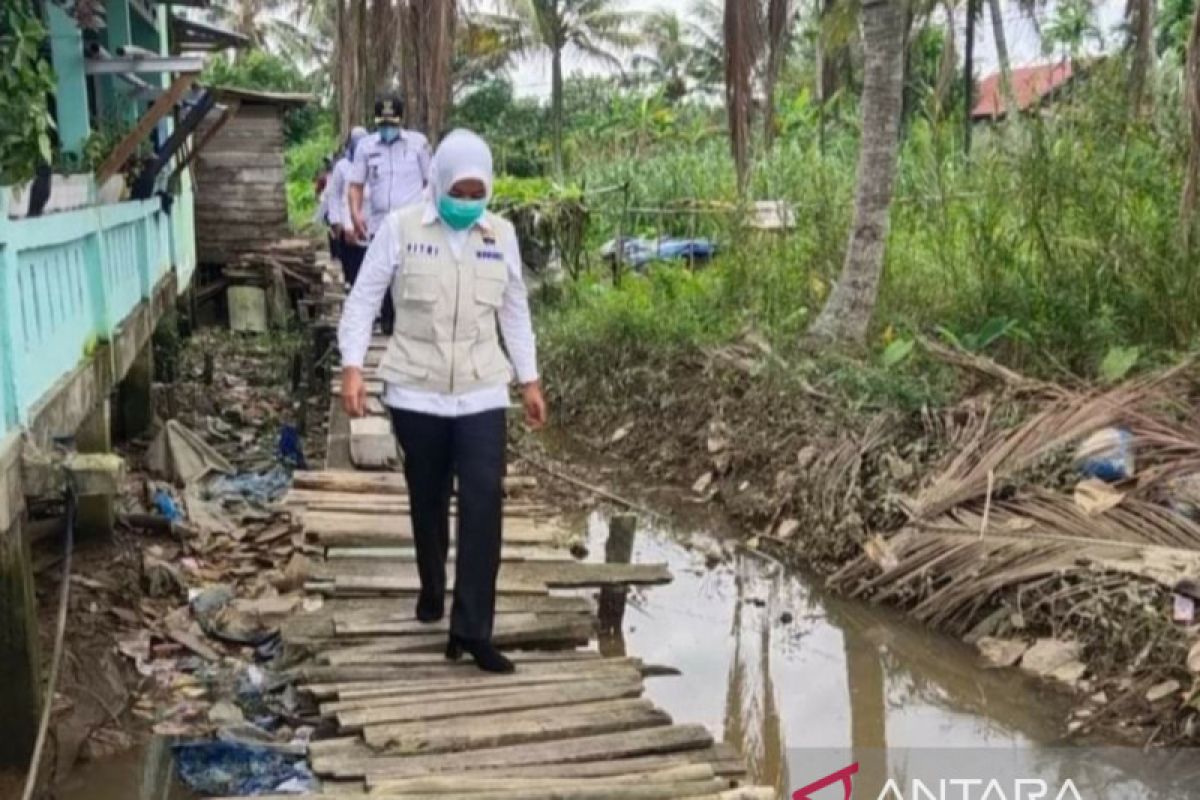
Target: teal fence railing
[(69, 279)]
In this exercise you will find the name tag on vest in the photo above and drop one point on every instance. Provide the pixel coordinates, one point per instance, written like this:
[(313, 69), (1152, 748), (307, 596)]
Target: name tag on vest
[(422, 249), (489, 255)]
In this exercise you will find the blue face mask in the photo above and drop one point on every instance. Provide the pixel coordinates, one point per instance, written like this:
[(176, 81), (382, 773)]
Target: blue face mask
[(389, 133), (460, 214)]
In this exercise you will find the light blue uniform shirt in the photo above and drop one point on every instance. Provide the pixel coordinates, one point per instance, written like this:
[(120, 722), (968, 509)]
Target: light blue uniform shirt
[(395, 174)]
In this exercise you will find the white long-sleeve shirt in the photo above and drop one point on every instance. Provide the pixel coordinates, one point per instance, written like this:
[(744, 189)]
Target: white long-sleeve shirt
[(337, 189), (379, 268)]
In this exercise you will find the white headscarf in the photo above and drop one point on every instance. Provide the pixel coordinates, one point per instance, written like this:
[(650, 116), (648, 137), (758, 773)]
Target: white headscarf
[(462, 155)]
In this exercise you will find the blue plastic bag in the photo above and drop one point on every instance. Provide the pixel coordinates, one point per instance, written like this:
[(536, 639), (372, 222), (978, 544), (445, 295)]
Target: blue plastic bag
[(233, 768)]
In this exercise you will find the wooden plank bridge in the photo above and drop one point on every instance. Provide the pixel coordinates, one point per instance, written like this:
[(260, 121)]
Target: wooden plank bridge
[(399, 721)]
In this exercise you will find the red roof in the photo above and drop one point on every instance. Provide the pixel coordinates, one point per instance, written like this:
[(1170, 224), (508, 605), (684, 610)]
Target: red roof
[(1030, 85)]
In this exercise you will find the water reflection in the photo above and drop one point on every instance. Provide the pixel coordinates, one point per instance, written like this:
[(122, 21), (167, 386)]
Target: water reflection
[(836, 675)]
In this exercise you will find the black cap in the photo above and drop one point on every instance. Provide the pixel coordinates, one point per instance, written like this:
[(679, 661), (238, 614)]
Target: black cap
[(389, 108)]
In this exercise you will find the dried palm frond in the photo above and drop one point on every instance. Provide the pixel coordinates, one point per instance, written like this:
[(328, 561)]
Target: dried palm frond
[(1069, 418), (952, 580)]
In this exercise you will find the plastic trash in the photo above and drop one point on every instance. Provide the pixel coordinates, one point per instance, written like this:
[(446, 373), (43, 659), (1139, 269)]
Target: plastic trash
[(291, 447), (222, 768), (1107, 454), (263, 488), (165, 505), (639, 252)]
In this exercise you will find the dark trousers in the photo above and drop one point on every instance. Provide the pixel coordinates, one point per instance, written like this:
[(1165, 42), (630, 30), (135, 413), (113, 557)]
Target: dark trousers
[(436, 451), (352, 257)]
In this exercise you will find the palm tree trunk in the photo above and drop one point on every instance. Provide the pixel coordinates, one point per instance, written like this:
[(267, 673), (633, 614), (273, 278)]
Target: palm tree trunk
[(847, 314), (1143, 57), (556, 111), (779, 17), (363, 99), (741, 53), (1006, 87), (1191, 98), (948, 65)]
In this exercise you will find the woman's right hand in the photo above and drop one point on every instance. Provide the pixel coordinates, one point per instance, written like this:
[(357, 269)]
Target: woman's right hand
[(354, 392)]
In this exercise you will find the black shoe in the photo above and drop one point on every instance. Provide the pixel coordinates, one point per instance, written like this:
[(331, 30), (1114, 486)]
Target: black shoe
[(430, 609), (486, 656)]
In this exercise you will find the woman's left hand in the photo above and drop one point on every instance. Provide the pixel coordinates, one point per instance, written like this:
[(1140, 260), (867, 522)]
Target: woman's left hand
[(535, 405)]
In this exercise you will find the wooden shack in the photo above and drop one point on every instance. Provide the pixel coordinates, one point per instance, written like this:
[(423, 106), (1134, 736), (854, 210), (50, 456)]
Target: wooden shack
[(241, 181)]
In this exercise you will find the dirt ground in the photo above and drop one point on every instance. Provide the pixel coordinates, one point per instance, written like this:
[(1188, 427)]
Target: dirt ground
[(237, 393)]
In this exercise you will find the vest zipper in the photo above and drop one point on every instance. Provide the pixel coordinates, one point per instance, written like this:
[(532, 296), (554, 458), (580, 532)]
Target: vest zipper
[(454, 329)]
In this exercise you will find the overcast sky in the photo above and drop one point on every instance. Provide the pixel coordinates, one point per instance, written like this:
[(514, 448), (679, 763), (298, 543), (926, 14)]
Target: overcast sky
[(1024, 44)]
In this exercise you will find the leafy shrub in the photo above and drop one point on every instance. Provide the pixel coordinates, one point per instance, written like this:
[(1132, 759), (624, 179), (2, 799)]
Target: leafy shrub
[(25, 82)]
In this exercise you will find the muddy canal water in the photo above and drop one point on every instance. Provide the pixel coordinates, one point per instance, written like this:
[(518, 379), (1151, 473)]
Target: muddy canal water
[(769, 663)]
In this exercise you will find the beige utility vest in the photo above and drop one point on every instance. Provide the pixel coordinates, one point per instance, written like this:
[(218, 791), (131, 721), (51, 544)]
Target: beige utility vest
[(445, 338)]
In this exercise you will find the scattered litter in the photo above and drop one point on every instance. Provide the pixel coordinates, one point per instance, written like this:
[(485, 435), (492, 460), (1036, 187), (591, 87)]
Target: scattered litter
[(1095, 496), (234, 768), (1107, 455), (178, 454), (1002, 652), (1161, 691)]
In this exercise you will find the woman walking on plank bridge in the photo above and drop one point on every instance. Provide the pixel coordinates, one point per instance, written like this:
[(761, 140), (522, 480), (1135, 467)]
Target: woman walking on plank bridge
[(454, 273)]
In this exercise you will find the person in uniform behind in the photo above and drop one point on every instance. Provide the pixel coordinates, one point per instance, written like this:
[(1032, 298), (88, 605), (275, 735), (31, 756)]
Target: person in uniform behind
[(391, 167), (455, 273), (337, 189)]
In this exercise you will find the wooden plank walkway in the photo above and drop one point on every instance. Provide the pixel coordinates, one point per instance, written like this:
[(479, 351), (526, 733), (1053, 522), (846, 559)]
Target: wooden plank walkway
[(399, 721)]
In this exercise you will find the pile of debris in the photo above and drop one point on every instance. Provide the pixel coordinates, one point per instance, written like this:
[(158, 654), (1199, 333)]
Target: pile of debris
[(270, 282), (1063, 538)]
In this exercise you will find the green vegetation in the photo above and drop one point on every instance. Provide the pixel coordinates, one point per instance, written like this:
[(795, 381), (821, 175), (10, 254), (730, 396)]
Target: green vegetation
[(1055, 246), (25, 122)]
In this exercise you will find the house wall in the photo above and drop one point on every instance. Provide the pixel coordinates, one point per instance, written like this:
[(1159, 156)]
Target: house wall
[(241, 192)]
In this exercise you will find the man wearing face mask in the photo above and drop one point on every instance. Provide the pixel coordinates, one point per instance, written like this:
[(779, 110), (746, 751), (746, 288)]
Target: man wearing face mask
[(393, 165)]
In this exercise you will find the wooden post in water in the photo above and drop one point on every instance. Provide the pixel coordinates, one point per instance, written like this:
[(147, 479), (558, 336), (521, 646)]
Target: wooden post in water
[(618, 549), (20, 684)]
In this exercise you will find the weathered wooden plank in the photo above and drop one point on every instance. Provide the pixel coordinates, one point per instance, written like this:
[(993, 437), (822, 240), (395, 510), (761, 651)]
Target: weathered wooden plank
[(429, 665), (636, 765), (511, 623), (509, 552), (376, 483), (559, 574), (364, 502), (351, 585), (651, 741), (562, 630), (372, 443), (485, 732), (398, 693), (339, 529), (533, 698), (316, 626), (565, 673), (680, 791), (481, 781)]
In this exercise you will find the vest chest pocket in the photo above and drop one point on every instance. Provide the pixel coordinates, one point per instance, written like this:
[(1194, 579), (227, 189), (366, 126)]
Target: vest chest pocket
[(419, 289), (491, 279)]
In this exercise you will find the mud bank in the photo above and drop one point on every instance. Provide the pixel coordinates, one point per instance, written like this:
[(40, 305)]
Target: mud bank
[(961, 516)]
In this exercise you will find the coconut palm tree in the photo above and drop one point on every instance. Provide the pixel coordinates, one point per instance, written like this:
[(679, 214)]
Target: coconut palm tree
[(847, 314), (666, 35), (593, 28)]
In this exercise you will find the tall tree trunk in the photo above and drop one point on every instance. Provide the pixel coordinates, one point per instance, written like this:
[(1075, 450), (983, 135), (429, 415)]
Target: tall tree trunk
[(847, 314), (364, 100), (1140, 69), (1006, 86), (427, 50), (1191, 99), (969, 76), (948, 65), (779, 24), (741, 54), (556, 110)]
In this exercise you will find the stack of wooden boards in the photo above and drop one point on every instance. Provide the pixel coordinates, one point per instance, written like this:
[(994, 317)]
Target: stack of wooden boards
[(294, 259), (570, 723)]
